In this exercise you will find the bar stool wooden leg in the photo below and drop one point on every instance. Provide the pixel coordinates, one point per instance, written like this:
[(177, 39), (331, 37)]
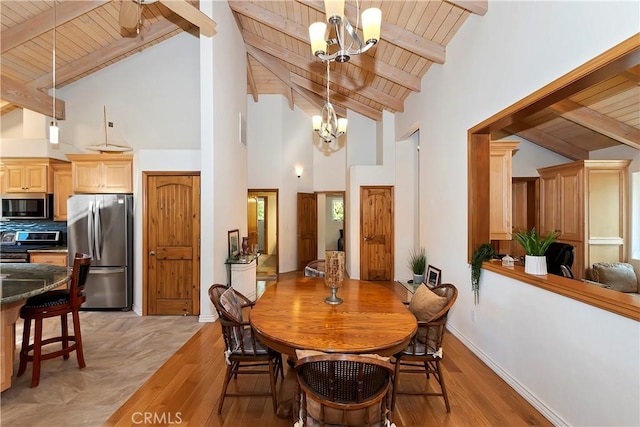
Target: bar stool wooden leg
[(65, 334), (24, 350), (37, 352), (78, 337)]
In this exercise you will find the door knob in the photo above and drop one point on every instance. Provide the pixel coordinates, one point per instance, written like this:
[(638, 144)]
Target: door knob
[(152, 253)]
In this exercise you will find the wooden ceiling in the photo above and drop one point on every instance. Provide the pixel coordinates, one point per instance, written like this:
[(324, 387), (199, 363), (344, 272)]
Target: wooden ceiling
[(414, 37)]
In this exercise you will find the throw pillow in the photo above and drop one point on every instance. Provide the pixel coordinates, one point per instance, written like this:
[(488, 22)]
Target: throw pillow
[(619, 276), (230, 303), (425, 305)]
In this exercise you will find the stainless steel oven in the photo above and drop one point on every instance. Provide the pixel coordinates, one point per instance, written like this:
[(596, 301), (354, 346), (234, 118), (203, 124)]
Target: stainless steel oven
[(15, 245)]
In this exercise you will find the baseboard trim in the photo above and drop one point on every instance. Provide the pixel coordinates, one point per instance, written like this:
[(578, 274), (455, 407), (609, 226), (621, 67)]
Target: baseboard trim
[(547, 412), (207, 318)]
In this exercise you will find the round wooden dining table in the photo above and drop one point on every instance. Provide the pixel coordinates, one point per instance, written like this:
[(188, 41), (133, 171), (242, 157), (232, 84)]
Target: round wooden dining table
[(292, 315)]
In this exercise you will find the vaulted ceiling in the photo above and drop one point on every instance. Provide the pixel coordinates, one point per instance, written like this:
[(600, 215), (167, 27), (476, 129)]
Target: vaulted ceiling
[(414, 37)]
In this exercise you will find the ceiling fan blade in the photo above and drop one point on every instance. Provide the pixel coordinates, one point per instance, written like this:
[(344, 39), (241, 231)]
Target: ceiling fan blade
[(190, 13), (128, 14)]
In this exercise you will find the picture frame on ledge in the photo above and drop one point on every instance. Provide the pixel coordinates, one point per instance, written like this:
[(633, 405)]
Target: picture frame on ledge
[(433, 276), (233, 237)]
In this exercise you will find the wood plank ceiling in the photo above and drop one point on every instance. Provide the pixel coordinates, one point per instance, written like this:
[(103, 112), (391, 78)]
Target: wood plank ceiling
[(414, 37)]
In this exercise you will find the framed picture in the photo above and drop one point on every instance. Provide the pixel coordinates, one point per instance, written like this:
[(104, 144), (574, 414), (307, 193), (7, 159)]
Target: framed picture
[(433, 276), (234, 243)]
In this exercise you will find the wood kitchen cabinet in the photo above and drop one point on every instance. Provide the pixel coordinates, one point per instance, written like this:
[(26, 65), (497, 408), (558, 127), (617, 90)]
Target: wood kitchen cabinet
[(28, 175), (24, 176), (101, 173), (44, 257), (587, 202), (500, 197), (62, 190)]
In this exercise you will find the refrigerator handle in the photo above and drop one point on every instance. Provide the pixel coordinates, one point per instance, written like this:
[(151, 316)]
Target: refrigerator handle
[(97, 226), (90, 229)]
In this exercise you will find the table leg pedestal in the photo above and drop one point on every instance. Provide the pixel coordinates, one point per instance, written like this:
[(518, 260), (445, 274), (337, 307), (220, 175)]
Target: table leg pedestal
[(10, 314)]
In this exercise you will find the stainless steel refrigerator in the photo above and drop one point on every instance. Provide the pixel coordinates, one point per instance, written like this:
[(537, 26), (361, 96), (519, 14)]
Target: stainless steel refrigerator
[(101, 225)]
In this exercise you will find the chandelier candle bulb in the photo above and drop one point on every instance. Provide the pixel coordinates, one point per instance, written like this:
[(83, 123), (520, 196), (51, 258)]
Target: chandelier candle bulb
[(317, 122), (316, 36), (371, 21), (334, 9), (342, 125)]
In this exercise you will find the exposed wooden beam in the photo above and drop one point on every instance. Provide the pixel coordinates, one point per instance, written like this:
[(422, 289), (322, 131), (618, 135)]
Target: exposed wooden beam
[(43, 22), (337, 98), (301, 33), (108, 53), (311, 66), (27, 97), (598, 122), (554, 144), (397, 36), (479, 7), (6, 107), (192, 14), (283, 73), (253, 88)]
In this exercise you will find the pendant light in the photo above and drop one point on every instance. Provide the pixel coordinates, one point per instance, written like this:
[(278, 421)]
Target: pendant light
[(53, 128)]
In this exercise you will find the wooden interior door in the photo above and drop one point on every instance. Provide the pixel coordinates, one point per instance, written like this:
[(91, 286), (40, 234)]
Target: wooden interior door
[(376, 233), (172, 252), (252, 220), (307, 229)]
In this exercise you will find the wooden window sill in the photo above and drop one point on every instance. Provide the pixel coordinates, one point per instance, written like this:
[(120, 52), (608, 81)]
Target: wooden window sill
[(624, 304)]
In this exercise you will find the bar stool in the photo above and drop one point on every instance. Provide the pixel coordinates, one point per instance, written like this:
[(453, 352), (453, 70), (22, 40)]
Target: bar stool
[(51, 304)]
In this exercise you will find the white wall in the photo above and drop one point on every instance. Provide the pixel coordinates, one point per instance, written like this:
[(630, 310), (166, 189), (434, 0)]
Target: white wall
[(546, 346), (228, 164), (279, 139), (152, 98), (530, 157), (405, 207)]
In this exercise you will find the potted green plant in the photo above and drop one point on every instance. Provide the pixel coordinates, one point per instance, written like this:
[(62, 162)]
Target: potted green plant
[(535, 247), (418, 264), (483, 253)]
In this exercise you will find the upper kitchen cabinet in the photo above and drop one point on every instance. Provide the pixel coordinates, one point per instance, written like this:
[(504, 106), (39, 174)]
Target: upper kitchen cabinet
[(101, 173), (27, 175), (587, 202), (500, 197), (62, 190), (24, 176)]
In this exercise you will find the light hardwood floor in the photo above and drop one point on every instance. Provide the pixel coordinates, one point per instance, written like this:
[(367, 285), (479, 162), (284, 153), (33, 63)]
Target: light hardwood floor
[(184, 391)]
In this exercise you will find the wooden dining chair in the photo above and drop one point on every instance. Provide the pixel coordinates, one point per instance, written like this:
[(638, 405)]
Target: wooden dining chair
[(424, 352), (343, 389), (54, 303), (244, 354)]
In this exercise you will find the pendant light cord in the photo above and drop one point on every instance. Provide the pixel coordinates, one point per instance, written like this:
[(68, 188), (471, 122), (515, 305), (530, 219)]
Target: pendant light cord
[(54, 59)]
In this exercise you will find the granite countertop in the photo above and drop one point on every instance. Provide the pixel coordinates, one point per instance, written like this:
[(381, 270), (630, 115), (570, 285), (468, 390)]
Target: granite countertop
[(19, 281), (53, 249)]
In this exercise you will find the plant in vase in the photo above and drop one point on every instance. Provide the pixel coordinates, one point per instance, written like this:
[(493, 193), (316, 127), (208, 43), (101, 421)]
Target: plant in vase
[(535, 247), (418, 265), (483, 253)]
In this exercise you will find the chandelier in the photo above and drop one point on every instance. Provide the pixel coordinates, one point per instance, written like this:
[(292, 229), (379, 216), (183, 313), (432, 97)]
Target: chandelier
[(371, 20), (327, 124)]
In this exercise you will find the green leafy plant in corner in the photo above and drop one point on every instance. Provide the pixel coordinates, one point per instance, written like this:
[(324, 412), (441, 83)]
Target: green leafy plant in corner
[(483, 253), (417, 261), (533, 243)]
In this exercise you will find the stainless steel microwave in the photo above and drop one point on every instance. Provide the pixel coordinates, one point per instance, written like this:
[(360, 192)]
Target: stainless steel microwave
[(27, 206)]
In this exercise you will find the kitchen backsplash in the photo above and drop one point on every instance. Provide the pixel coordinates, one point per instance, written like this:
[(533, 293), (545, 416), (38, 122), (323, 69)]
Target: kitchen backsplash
[(35, 225)]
